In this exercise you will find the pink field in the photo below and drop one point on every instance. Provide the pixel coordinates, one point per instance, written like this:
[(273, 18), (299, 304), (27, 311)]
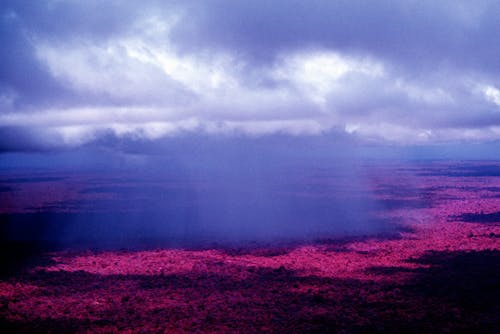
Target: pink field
[(440, 273)]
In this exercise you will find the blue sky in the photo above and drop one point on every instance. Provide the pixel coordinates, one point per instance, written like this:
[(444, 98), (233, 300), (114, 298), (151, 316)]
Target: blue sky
[(75, 73)]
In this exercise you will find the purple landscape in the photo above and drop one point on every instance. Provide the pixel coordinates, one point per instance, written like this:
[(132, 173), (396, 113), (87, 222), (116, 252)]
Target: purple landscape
[(249, 167)]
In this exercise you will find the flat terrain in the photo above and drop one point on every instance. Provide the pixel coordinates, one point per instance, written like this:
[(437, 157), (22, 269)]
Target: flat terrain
[(432, 264)]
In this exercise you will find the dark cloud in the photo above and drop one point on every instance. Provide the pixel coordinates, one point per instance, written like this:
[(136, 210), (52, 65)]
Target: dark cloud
[(21, 74), (23, 139), (416, 33)]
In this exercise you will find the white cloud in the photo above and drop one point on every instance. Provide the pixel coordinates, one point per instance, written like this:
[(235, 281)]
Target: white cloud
[(139, 85), (153, 69), (384, 131), (199, 74), (108, 71), (318, 74), (492, 94)]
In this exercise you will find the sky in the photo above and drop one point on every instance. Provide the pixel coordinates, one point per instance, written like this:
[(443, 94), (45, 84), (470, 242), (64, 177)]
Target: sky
[(76, 73)]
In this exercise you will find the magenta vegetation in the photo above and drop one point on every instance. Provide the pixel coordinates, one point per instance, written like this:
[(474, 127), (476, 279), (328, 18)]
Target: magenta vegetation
[(439, 272)]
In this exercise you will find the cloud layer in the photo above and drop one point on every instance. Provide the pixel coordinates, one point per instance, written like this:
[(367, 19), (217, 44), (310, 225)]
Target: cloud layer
[(411, 72)]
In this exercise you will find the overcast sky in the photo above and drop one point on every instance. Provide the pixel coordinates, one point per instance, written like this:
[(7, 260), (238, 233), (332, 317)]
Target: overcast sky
[(404, 72)]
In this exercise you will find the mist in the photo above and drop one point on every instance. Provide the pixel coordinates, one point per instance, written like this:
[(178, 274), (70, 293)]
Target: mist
[(192, 191)]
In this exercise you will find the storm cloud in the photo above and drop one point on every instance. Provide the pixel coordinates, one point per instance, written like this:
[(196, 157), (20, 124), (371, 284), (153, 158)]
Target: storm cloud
[(409, 72)]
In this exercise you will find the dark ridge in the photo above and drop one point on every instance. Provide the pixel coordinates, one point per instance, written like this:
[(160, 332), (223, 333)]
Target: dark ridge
[(42, 326), (467, 171), (5, 189), (15, 256), (139, 189), (82, 229), (33, 179), (459, 290), (394, 204), (469, 279), (113, 189), (478, 217)]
